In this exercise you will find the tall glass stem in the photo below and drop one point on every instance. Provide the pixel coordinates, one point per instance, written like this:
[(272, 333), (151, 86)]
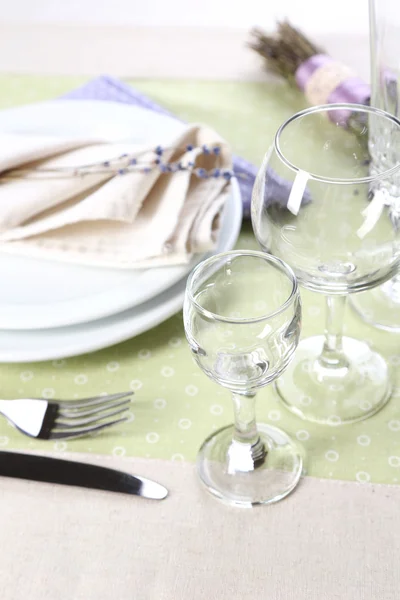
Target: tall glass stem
[(332, 356), (247, 451)]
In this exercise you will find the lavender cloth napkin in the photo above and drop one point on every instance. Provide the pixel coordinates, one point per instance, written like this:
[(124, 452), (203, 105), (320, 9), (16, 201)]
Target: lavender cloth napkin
[(108, 88)]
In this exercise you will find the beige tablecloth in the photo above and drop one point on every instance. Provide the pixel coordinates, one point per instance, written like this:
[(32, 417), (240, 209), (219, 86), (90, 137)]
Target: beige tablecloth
[(328, 540)]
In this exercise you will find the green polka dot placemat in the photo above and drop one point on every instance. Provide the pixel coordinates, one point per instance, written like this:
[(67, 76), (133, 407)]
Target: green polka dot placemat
[(175, 406)]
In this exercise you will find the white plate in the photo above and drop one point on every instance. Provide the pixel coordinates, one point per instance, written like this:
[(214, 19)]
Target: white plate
[(37, 294), (50, 344)]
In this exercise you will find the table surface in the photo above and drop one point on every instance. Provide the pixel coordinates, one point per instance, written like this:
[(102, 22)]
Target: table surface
[(175, 405)]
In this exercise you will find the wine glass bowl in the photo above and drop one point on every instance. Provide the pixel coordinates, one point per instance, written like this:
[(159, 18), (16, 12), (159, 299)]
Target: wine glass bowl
[(316, 225), (231, 338), (242, 316), (333, 225)]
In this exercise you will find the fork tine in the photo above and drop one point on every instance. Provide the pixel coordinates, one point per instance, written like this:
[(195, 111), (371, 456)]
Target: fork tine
[(77, 414), (60, 435), (76, 422), (73, 404)]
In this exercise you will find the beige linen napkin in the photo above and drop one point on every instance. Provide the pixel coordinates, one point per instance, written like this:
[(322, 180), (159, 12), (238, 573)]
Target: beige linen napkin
[(103, 218)]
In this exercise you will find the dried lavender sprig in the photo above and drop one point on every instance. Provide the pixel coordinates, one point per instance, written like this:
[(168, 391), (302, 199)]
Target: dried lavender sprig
[(113, 166), (285, 50), (165, 168)]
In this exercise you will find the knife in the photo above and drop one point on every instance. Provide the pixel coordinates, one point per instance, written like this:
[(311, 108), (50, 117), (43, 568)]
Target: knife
[(68, 472)]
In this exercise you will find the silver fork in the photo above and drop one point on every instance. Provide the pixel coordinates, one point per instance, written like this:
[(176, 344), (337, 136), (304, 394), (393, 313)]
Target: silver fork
[(56, 420)]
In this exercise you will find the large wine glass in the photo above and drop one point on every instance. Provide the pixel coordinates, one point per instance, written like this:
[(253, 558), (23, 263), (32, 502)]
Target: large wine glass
[(333, 224), (242, 321)]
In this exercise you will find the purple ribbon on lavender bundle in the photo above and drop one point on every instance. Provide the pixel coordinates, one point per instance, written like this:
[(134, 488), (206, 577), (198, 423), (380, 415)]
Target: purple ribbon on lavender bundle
[(326, 81)]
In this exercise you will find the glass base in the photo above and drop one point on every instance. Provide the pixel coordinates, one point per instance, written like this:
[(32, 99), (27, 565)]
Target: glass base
[(335, 396), (238, 475), (379, 307)]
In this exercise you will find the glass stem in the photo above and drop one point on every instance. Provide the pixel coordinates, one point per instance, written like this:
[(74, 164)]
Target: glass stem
[(332, 356), (245, 419), (247, 450)]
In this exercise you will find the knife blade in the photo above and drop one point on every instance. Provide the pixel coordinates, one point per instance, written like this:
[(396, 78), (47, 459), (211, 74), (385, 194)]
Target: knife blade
[(68, 472)]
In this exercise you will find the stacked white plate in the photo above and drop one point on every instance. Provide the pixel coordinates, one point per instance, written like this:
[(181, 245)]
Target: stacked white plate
[(51, 310)]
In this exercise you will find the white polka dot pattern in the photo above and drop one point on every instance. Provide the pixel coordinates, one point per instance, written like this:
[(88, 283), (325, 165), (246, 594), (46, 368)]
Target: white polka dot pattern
[(119, 451), (364, 440), (191, 390), (59, 363), (167, 371), (157, 365), (274, 415), (216, 409), (135, 385), (177, 457), (113, 366), (26, 376), (363, 476), (60, 446), (160, 403), (332, 455), (394, 425)]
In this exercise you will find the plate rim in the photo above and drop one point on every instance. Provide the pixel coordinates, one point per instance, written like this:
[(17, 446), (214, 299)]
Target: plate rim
[(171, 307)]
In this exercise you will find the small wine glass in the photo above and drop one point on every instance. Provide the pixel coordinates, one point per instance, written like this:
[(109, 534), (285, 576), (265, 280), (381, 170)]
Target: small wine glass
[(333, 224), (242, 316)]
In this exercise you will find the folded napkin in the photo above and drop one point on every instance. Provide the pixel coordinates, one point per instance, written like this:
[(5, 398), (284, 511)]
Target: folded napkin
[(119, 217), (111, 89)]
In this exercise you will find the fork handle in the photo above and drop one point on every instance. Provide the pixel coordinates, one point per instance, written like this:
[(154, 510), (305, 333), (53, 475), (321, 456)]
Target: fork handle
[(26, 414)]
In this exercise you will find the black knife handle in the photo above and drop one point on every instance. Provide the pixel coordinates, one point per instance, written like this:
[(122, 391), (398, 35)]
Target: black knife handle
[(67, 472)]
